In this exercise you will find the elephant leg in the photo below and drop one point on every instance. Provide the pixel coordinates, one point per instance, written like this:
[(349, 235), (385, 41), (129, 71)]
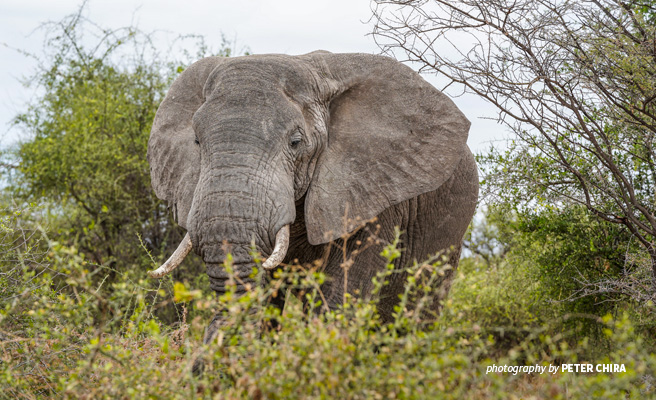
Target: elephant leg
[(278, 302), (211, 332)]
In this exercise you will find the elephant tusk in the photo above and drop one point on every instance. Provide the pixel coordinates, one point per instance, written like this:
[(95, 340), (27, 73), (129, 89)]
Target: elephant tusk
[(175, 260), (280, 250)]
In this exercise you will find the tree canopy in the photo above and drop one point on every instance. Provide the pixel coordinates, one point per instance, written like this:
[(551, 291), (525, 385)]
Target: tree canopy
[(84, 153)]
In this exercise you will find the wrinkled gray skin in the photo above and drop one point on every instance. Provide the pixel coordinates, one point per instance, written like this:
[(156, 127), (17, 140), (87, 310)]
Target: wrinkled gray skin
[(242, 146)]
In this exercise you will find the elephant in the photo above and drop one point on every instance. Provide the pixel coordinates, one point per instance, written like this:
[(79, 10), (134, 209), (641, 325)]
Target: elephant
[(293, 152)]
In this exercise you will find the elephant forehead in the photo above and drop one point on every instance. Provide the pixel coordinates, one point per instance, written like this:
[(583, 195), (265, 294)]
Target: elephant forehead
[(248, 95), (250, 113), (261, 74)]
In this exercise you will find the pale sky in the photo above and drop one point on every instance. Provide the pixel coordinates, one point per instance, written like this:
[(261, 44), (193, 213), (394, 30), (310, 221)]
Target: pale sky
[(273, 26)]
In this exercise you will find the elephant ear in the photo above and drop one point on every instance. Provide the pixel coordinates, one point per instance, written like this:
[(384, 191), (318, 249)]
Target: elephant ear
[(173, 156), (391, 137)]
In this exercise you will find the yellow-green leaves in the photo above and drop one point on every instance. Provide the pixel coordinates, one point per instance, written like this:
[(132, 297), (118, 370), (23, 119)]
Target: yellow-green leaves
[(182, 294)]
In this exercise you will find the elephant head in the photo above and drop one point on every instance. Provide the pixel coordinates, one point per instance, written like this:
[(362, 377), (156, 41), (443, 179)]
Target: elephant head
[(239, 142)]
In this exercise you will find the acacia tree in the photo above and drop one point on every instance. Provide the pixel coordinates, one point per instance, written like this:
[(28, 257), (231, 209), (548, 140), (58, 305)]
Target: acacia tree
[(575, 81)]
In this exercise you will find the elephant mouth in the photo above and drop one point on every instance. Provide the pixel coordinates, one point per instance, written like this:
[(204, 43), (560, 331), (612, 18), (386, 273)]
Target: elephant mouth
[(242, 277), (242, 272), (221, 286), (215, 270)]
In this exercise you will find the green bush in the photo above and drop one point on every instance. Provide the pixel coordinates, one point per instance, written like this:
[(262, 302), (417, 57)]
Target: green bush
[(505, 301), (554, 264), (64, 335), (83, 158)]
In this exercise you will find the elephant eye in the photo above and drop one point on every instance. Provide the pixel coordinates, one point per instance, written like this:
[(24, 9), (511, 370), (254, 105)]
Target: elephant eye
[(295, 140), (196, 140)]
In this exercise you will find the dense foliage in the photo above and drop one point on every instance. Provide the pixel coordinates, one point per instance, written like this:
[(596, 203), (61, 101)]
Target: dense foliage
[(564, 263), (83, 158), (60, 340)]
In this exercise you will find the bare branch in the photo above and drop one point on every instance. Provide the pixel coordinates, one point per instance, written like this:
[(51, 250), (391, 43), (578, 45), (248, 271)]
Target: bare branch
[(575, 81)]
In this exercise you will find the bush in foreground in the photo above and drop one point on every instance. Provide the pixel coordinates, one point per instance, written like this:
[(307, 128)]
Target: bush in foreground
[(64, 335)]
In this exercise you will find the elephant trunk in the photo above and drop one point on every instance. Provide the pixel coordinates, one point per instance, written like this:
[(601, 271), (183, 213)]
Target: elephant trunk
[(240, 203)]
